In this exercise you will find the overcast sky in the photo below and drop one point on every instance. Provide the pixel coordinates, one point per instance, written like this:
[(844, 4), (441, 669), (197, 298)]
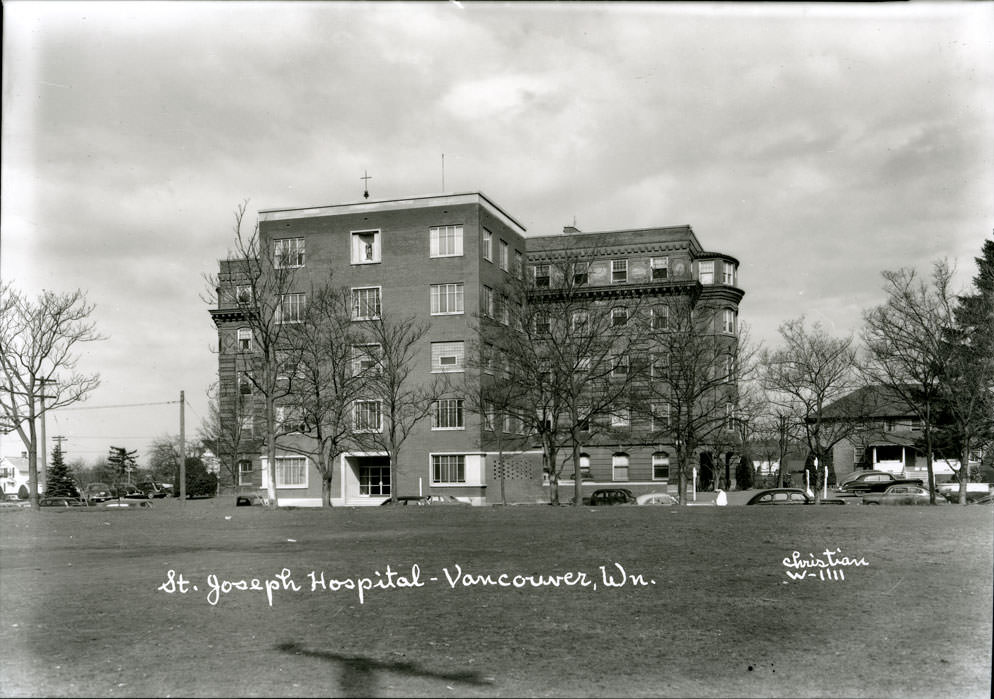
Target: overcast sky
[(818, 144)]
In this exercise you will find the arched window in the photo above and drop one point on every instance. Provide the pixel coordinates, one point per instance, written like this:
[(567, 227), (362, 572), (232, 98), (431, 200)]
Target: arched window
[(660, 466), (619, 466)]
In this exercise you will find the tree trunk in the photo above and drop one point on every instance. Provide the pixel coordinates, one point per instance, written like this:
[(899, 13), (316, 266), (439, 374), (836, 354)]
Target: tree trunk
[(964, 471), (577, 476)]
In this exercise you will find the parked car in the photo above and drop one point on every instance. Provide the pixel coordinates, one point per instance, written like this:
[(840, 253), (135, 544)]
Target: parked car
[(153, 489), (611, 496), (788, 496), (95, 493), (126, 490), (13, 500), (985, 500), (130, 503), (974, 491), (403, 500), (868, 477), (656, 499), (62, 501), (902, 494), (875, 486)]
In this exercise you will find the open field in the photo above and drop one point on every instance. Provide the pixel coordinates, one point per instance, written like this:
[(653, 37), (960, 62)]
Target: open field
[(82, 612)]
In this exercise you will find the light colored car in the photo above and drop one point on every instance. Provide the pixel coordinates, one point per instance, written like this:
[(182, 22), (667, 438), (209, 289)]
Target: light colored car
[(656, 499), (125, 503), (13, 500), (902, 495)]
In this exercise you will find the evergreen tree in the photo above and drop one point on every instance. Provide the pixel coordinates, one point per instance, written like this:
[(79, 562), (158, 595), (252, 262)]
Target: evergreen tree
[(60, 481)]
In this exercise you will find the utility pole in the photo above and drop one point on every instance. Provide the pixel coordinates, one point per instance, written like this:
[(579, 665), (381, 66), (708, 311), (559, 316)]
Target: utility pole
[(43, 476), (182, 448)]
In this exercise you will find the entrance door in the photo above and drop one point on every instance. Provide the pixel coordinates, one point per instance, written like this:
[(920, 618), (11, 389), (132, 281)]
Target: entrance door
[(370, 478)]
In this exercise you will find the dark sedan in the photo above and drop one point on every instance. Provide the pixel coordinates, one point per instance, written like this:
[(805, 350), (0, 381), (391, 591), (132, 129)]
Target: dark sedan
[(788, 496), (61, 501), (612, 496)]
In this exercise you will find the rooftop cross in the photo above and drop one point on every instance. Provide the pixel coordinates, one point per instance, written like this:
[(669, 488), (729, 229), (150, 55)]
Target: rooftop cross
[(365, 177)]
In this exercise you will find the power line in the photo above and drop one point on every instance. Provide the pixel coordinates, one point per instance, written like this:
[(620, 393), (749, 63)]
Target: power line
[(121, 405)]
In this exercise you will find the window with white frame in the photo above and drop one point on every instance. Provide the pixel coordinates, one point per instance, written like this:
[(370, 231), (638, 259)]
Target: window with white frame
[(288, 252), (248, 422), (487, 302), (621, 418), (619, 316), (488, 245), (659, 365), (660, 416), (448, 356), (619, 466), (620, 367), (660, 268), (291, 472), (291, 308), (374, 480), (730, 367), (581, 273), (519, 264), (583, 415), (445, 241), (660, 466), (619, 271), (366, 303), (728, 321), (705, 272), (243, 293), (244, 339), (367, 416), (542, 278), (579, 321), (365, 247), (446, 299), (541, 323), (489, 358), (244, 472), (660, 317), (729, 416), (290, 418), (729, 276), (502, 256), (366, 359), (448, 468), (504, 310), (584, 467), (490, 417), (447, 414)]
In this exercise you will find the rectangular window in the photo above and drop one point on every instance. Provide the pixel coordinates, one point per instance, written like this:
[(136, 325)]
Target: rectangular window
[(365, 247), (502, 259), (366, 303), (579, 322), (619, 317), (365, 359), (244, 473), (660, 268), (291, 472), (244, 339), (659, 365), (660, 467), (706, 272), (488, 245), (448, 468), (519, 264), (619, 467), (374, 480), (581, 273), (728, 321), (541, 276), (620, 367), (288, 252), (619, 271), (290, 418), (660, 416), (445, 241), (729, 278), (366, 416), (446, 299), (447, 357), (447, 414), (621, 419), (487, 302), (248, 422), (541, 323), (504, 311), (660, 317), (291, 308), (243, 293)]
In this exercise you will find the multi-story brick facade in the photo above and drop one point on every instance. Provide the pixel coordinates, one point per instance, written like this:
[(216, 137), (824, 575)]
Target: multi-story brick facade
[(441, 259)]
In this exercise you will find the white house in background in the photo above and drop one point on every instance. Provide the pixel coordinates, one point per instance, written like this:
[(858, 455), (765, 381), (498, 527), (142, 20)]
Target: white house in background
[(14, 474)]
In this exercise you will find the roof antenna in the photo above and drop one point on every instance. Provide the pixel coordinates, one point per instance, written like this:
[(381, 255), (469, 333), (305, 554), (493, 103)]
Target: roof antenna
[(443, 173), (365, 177)]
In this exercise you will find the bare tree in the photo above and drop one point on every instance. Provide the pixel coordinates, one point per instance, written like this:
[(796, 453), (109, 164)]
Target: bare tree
[(774, 434), (804, 377), (326, 371), (394, 399), (38, 341), (258, 284), (905, 348), (696, 364), (225, 432)]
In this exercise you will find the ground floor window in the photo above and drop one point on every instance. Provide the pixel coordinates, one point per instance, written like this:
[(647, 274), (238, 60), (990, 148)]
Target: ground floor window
[(448, 468), (660, 466), (291, 472), (619, 466), (374, 480), (244, 473)]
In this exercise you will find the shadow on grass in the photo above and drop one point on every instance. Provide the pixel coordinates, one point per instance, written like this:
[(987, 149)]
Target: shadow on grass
[(359, 673)]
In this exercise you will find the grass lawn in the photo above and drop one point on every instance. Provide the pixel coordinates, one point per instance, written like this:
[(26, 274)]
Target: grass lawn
[(84, 609)]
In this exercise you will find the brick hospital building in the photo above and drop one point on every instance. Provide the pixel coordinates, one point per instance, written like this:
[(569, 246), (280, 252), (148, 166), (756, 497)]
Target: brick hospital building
[(442, 259)]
